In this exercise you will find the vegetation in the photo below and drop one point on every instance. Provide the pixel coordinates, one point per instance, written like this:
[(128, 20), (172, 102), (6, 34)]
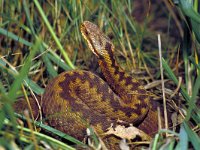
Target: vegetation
[(40, 39)]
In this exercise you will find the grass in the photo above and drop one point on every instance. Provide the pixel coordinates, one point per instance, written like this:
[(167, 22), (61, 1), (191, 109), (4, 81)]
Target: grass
[(39, 40)]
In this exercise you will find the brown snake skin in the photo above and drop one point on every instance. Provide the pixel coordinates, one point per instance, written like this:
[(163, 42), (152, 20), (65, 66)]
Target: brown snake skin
[(76, 99)]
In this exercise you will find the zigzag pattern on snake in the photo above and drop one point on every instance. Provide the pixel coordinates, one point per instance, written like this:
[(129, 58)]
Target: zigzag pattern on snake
[(76, 99)]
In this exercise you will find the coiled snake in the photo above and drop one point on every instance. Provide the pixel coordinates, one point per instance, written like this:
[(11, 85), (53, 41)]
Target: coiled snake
[(76, 99)]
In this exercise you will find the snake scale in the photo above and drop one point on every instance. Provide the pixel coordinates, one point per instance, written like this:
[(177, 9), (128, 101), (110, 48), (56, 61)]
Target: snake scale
[(76, 99)]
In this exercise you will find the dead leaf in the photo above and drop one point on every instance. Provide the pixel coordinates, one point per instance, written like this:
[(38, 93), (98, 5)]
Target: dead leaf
[(128, 133)]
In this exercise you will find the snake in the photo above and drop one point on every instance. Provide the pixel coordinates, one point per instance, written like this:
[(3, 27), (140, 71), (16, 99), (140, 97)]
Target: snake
[(78, 99)]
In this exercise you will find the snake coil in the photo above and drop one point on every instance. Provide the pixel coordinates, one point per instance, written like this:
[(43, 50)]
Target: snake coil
[(77, 99)]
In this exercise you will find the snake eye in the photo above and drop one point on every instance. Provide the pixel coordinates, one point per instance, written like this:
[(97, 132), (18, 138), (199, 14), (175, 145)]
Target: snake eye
[(86, 32)]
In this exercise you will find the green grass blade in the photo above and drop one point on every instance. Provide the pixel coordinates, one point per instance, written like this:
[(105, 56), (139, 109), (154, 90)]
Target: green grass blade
[(14, 37), (65, 55), (193, 137), (28, 82), (194, 63), (193, 99), (183, 140), (58, 62), (2, 117), (53, 131), (196, 114), (196, 29), (47, 62), (7, 111), (49, 65), (173, 77), (34, 87), (23, 72), (48, 138), (187, 8), (59, 133), (25, 6)]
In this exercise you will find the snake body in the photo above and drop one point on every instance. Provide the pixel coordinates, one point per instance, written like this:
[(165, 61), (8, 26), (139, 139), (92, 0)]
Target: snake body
[(76, 99)]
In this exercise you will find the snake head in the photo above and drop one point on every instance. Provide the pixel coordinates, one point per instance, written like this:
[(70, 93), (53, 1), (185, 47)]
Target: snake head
[(97, 41)]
